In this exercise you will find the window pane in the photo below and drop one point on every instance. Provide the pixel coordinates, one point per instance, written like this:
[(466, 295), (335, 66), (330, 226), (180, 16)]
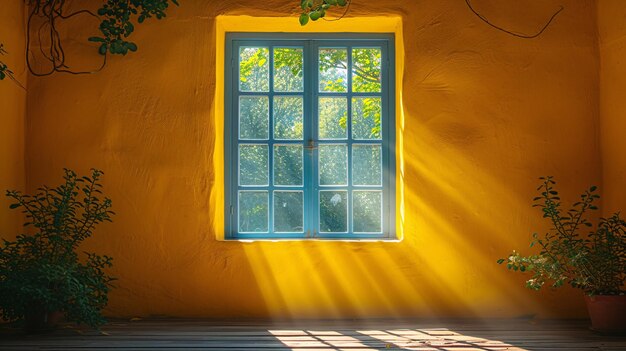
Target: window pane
[(288, 211), (254, 72), (288, 165), (333, 70), (333, 211), (367, 211), (288, 69), (288, 112), (366, 116), (254, 117), (366, 70), (253, 165), (333, 164), (253, 211), (333, 118), (366, 165)]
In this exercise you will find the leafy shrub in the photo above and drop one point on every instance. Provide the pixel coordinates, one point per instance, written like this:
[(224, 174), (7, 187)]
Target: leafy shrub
[(594, 263), (42, 272)]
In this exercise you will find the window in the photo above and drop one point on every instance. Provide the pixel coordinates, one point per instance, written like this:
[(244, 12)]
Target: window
[(309, 136)]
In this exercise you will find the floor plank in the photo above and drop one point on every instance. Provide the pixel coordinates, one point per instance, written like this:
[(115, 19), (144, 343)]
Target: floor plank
[(310, 335)]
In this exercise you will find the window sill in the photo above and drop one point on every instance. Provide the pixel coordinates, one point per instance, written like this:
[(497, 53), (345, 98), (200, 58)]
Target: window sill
[(275, 240)]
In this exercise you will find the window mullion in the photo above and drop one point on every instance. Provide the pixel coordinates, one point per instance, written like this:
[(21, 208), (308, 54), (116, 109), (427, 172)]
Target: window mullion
[(270, 142), (349, 142), (311, 68)]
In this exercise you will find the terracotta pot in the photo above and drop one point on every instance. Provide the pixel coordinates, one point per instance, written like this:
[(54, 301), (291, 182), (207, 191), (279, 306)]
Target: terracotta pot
[(608, 313), (41, 321)]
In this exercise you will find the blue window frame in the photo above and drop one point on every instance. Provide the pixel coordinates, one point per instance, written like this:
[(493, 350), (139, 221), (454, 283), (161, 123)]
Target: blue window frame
[(309, 136)]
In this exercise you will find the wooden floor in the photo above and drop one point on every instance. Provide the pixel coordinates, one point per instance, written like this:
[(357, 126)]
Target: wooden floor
[(449, 335)]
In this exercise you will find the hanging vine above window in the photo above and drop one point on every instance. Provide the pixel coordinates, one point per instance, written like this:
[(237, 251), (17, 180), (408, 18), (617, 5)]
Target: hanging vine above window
[(116, 25), (316, 9), (116, 18)]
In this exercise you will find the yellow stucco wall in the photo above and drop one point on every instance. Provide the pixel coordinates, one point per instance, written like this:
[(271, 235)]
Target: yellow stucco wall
[(12, 113), (612, 43), (482, 115)]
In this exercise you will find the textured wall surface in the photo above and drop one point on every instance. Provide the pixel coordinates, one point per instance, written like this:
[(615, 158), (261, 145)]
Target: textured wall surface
[(483, 114), (612, 43), (12, 113)]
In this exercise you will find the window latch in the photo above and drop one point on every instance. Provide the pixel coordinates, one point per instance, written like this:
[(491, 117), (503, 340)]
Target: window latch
[(311, 145)]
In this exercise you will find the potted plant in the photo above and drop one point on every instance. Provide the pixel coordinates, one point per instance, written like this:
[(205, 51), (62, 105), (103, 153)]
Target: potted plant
[(42, 275), (572, 252)]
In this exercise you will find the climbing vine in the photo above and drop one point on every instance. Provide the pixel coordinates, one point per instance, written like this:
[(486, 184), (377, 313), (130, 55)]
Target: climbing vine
[(116, 18), (117, 24), (315, 9)]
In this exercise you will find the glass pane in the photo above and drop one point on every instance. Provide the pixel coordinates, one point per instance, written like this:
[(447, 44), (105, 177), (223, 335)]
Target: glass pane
[(288, 111), (367, 211), (333, 211), (333, 67), (366, 116), (288, 164), (288, 69), (288, 211), (366, 165), (253, 165), (254, 66), (333, 164), (253, 211), (366, 70), (333, 118), (254, 117)]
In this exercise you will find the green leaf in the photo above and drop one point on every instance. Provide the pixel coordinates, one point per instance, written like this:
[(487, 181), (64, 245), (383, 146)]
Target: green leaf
[(131, 46), (96, 39), (500, 261), (14, 206), (342, 2), (304, 19), (315, 15), (103, 49), (593, 188)]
